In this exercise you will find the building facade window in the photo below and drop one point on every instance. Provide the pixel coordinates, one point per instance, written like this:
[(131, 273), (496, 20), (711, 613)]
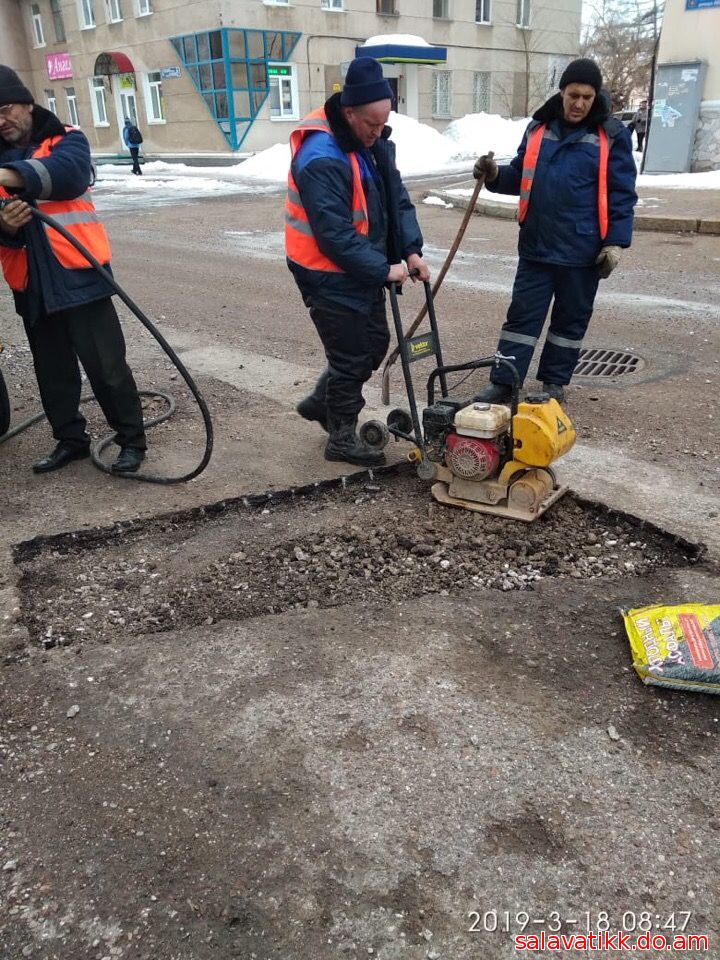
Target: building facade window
[(86, 14), (386, 6), (481, 92), (37, 27), (58, 22), (523, 13), (231, 70), (276, 3), (283, 92), (97, 101), (332, 5), (144, 8), (482, 11), (442, 94), (114, 11), (154, 98), (72, 109), (441, 9), (51, 101)]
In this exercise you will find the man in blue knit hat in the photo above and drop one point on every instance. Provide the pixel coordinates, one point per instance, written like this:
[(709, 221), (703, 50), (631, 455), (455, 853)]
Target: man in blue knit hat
[(349, 225)]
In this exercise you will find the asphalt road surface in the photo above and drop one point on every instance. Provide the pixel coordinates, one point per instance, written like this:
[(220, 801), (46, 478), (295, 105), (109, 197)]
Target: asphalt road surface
[(353, 725)]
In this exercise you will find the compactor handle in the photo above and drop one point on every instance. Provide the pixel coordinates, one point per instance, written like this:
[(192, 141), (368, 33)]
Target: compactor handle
[(477, 365)]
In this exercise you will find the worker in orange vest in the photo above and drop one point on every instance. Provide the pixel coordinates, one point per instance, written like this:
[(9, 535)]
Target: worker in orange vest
[(575, 175), (65, 305), (349, 225)]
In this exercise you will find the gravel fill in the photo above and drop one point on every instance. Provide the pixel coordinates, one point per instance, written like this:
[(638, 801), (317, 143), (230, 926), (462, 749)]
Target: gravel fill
[(374, 543)]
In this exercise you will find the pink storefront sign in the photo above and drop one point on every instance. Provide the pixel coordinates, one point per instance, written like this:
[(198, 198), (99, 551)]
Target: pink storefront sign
[(59, 66)]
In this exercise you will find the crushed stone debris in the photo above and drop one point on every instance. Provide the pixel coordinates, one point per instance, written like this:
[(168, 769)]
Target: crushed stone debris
[(369, 544)]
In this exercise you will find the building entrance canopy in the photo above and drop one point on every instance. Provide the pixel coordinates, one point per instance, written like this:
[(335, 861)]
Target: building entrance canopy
[(399, 48), (111, 64)]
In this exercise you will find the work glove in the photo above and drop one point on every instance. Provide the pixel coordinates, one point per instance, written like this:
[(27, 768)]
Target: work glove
[(485, 169), (607, 260)]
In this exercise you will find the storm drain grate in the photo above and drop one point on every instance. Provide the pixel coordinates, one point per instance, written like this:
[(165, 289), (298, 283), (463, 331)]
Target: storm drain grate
[(601, 362)]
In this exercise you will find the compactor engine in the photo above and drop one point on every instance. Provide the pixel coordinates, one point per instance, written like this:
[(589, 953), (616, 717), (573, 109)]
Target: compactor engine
[(487, 459)]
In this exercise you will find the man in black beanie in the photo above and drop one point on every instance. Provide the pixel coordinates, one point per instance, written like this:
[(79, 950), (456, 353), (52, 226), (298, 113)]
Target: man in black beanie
[(65, 305), (575, 175), (349, 224)]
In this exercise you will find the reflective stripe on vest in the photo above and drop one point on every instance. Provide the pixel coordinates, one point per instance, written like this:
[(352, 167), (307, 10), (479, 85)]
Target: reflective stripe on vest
[(532, 151), (300, 244), (79, 218)]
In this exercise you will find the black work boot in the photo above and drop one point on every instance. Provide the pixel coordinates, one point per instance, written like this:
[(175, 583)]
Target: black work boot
[(345, 445), (128, 461), (313, 407), (65, 452), (495, 393), (555, 391)]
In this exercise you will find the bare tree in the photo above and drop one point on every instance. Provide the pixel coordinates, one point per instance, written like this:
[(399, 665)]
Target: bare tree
[(622, 36), (525, 89)]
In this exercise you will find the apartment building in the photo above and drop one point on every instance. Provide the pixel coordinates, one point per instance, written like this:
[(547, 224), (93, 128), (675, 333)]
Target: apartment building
[(233, 76)]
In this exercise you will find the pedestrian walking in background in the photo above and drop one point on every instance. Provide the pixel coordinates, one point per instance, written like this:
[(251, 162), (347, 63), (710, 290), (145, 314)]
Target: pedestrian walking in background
[(133, 138), (349, 225), (65, 305), (575, 175), (640, 121)]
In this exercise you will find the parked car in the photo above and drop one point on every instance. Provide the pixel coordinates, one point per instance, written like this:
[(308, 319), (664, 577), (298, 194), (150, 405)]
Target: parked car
[(626, 117)]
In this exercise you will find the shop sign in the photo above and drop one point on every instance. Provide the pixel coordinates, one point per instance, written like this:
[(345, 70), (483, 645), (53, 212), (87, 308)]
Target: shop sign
[(59, 66)]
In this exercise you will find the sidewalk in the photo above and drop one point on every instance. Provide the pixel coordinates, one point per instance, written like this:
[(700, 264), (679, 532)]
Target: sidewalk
[(674, 211), (696, 211)]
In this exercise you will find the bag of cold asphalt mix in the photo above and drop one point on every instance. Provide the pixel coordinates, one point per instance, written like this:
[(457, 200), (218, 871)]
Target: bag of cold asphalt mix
[(676, 646)]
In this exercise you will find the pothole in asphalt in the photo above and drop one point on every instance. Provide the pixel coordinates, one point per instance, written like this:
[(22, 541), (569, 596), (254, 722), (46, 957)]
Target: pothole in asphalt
[(371, 542)]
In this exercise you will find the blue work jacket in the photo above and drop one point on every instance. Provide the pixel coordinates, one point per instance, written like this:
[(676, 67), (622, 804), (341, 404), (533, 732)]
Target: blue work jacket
[(561, 225), (64, 175), (323, 176)]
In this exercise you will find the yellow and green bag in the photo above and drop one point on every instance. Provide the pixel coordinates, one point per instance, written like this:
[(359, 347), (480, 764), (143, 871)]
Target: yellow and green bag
[(676, 646)]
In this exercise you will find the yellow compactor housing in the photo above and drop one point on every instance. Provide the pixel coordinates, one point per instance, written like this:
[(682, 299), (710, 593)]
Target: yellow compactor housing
[(542, 432)]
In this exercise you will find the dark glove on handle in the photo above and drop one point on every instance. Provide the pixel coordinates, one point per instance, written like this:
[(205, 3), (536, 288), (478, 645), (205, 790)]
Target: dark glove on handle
[(485, 168)]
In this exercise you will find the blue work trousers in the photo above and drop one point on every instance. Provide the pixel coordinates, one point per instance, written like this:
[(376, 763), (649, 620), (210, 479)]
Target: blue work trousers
[(573, 289)]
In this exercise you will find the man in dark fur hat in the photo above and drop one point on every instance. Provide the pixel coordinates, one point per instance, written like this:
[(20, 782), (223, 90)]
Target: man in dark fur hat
[(575, 175), (349, 225)]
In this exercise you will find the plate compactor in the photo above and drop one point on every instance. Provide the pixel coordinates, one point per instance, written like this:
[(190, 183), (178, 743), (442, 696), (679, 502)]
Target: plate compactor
[(490, 458)]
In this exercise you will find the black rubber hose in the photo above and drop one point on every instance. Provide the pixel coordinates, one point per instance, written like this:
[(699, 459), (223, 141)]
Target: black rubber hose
[(98, 447), (101, 444), (4, 405)]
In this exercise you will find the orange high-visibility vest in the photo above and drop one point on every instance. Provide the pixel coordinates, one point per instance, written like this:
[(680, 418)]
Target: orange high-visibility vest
[(79, 218), (532, 151), (300, 244)]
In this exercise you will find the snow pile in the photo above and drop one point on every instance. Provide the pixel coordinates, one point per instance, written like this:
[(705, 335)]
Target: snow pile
[(483, 195), (436, 202), (421, 149), (476, 133), (271, 164), (687, 181), (397, 40)]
